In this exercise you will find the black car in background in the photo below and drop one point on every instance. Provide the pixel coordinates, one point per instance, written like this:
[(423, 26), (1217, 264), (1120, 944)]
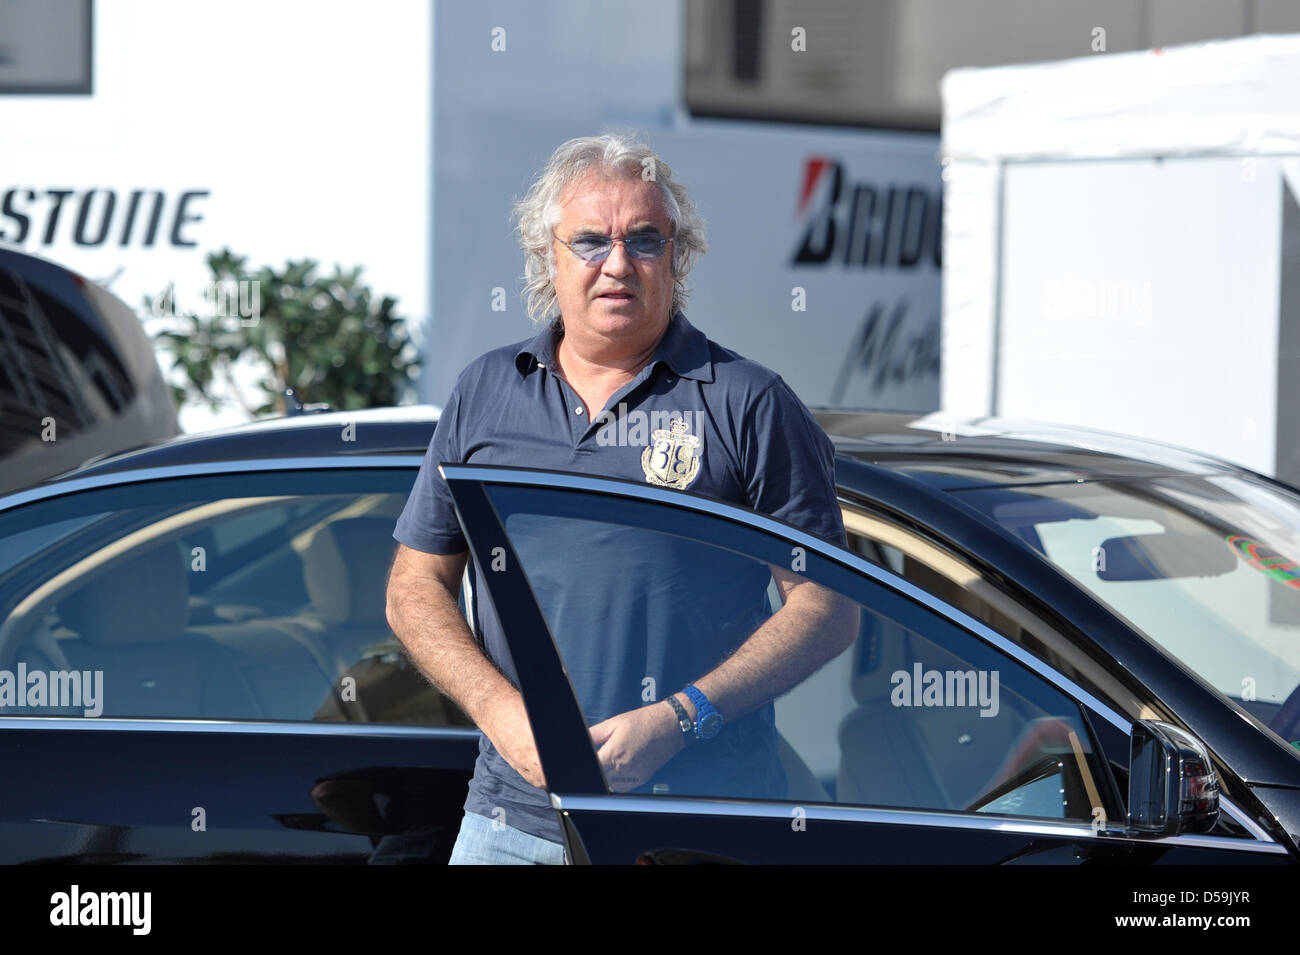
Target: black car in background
[(1069, 647), (78, 376)]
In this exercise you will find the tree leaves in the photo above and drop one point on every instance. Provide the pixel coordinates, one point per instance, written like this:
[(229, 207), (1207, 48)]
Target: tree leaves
[(322, 334)]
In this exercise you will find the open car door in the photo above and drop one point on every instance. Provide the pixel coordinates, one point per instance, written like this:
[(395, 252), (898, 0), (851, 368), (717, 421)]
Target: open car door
[(899, 730)]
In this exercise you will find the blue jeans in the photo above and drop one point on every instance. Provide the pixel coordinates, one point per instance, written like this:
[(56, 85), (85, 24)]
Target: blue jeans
[(484, 841)]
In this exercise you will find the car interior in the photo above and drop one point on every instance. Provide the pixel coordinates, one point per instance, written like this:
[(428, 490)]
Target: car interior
[(285, 622)]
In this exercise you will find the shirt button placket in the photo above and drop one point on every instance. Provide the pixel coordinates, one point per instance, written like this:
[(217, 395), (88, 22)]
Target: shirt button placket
[(577, 414)]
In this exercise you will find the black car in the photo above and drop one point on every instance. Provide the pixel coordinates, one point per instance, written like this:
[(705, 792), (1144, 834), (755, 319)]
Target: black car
[(1064, 647), (78, 376)]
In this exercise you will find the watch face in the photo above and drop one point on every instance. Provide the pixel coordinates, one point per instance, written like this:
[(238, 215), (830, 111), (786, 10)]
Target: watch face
[(710, 725)]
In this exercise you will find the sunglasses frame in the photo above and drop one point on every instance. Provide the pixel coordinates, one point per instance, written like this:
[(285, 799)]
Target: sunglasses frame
[(601, 256)]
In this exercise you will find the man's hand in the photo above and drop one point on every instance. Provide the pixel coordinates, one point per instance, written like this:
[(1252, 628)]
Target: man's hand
[(422, 611), (633, 745)]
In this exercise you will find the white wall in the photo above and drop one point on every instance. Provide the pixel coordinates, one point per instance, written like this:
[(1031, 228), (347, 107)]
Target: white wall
[(307, 124)]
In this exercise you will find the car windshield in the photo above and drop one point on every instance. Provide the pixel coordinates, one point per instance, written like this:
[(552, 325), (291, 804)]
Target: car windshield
[(1205, 566)]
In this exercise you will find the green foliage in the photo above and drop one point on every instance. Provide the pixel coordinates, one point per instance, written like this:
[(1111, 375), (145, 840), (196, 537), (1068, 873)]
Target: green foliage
[(325, 336)]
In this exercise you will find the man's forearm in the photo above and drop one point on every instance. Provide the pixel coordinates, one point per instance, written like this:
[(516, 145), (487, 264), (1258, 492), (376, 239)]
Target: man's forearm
[(429, 624), (813, 627)]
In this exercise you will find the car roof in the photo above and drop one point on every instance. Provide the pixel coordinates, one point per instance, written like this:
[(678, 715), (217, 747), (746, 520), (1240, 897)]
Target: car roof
[(398, 430), (954, 453), (947, 452)]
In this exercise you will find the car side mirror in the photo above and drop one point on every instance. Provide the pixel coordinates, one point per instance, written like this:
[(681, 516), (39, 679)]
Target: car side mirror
[(1172, 785)]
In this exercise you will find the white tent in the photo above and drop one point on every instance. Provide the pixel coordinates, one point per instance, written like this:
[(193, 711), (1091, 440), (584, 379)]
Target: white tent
[(1121, 242)]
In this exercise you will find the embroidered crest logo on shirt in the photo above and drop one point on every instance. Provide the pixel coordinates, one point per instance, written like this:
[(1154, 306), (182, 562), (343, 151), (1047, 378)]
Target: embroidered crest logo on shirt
[(673, 457)]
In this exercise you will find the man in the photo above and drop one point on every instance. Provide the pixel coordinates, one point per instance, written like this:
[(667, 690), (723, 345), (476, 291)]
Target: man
[(609, 238)]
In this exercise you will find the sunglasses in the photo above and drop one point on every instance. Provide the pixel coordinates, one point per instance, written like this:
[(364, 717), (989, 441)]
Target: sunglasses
[(596, 248)]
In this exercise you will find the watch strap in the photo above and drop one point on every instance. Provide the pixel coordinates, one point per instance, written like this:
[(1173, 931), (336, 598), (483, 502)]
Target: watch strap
[(703, 708), (683, 718)]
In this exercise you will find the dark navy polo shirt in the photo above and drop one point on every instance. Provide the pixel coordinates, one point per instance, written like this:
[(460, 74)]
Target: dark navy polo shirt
[(743, 437)]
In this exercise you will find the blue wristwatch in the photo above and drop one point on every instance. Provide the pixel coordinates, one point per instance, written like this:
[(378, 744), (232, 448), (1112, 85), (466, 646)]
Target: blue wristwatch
[(707, 719)]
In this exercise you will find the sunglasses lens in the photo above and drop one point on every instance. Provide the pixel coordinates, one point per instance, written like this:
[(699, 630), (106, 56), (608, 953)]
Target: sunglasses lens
[(590, 246), (594, 248), (645, 246)]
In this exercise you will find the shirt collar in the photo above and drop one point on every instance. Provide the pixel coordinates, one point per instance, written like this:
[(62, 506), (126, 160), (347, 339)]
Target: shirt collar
[(684, 349)]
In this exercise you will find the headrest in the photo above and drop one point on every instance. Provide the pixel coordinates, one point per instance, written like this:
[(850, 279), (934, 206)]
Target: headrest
[(139, 600), (345, 569), (884, 647)]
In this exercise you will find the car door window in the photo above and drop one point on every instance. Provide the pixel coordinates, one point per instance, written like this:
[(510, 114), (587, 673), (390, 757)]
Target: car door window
[(881, 700), (254, 597), (945, 574)]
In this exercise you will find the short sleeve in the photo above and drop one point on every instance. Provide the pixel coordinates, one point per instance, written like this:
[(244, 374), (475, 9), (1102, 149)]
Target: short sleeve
[(788, 464), (428, 522)]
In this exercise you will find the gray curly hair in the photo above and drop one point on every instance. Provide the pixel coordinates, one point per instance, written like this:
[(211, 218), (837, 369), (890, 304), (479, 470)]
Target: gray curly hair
[(611, 155)]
